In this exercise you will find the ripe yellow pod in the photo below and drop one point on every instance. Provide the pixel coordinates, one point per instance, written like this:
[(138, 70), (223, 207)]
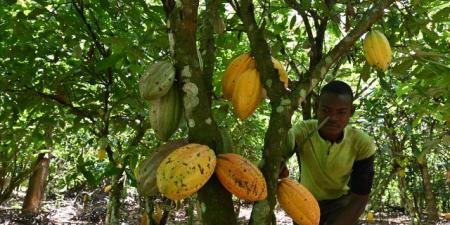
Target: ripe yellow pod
[(377, 50), (101, 154), (234, 71), (298, 202), (240, 177), (370, 217), (185, 170), (247, 94), (107, 188)]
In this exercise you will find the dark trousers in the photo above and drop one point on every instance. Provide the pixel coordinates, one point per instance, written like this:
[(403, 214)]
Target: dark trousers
[(330, 209)]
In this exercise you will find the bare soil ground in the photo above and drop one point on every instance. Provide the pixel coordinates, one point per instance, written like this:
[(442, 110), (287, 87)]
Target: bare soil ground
[(70, 209)]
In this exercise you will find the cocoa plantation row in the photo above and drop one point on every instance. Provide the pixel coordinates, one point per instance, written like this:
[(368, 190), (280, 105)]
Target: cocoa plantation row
[(179, 169)]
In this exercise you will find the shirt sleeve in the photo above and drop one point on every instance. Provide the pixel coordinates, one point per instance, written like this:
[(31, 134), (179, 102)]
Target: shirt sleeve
[(361, 178), (300, 132), (365, 146)]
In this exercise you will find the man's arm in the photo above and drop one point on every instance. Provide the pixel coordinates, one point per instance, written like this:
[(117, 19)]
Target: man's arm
[(360, 185), (350, 214)]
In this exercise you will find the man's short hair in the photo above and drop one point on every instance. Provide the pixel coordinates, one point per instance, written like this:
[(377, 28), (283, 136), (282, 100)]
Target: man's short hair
[(337, 87)]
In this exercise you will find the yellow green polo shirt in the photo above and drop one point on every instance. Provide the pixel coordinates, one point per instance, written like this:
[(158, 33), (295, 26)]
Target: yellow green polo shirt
[(326, 167)]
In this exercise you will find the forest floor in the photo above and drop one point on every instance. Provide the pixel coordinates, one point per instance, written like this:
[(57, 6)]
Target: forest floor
[(70, 209)]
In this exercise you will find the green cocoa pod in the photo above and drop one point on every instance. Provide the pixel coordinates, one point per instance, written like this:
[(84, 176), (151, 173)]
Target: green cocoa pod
[(165, 113), (146, 173), (157, 80)]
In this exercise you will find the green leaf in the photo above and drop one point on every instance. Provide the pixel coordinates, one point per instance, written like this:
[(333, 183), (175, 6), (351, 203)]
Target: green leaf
[(112, 170), (81, 166), (335, 29), (109, 62), (442, 15), (402, 68)]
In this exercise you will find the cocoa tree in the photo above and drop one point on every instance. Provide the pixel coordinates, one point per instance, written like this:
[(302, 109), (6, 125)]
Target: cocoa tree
[(79, 71)]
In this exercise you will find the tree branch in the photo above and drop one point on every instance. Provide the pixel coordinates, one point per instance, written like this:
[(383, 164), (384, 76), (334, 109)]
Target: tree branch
[(76, 110), (80, 11), (286, 55), (297, 7)]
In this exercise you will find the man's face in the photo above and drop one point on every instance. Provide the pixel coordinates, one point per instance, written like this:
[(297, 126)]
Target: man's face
[(339, 109)]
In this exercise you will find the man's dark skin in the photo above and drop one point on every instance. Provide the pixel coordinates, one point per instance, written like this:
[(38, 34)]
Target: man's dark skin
[(338, 108)]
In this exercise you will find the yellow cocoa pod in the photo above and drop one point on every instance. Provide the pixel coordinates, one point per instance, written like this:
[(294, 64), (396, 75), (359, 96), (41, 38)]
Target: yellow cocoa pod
[(298, 202), (240, 177), (144, 219), (233, 72), (377, 50), (107, 188), (158, 213), (247, 94), (101, 154), (185, 170), (370, 217)]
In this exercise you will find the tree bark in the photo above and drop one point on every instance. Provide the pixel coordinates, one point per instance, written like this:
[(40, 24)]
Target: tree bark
[(36, 184), (194, 77), (430, 199), (406, 200), (113, 208)]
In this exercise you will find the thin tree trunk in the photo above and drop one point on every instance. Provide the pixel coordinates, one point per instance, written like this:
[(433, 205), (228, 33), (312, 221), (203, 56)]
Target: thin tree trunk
[(405, 199), (381, 188), (307, 108), (113, 208), (36, 184), (430, 199)]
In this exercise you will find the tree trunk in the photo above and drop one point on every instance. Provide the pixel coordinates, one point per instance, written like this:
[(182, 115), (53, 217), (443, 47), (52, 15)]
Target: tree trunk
[(36, 184), (216, 206), (214, 196), (307, 108), (430, 199), (113, 208), (405, 198)]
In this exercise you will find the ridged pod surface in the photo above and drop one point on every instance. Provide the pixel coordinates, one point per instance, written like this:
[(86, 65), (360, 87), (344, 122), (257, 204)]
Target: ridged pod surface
[(377, 50), (185, 171), (247, 94), (157, 80), (240, 177), (165, 113), (146, 174), (298, 202), (233, 72)]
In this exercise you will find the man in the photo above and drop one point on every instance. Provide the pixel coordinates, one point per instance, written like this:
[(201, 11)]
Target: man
[(336, 160)]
